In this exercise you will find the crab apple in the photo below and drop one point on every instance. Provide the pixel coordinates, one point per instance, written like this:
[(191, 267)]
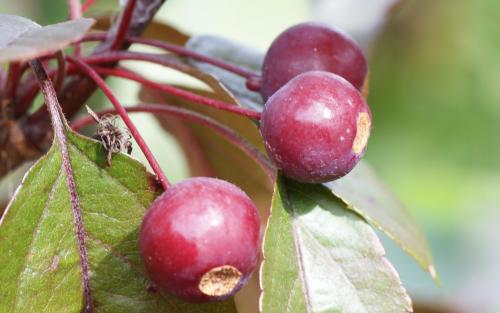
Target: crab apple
[(316, 127), (200, 239), (308, 47)]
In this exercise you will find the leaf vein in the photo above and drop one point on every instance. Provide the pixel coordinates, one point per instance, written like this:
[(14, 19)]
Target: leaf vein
[(55, 288), (289, 302), (127, 262), (333, 260), (35, 231), (111, 178), (299, 252)]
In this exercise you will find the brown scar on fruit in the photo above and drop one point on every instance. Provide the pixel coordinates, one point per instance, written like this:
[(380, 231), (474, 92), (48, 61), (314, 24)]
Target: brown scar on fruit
[(362, 132), (220, 281)]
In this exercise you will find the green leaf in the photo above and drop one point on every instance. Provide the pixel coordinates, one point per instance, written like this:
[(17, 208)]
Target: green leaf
[(232, 52), (23, 40), (40, 265), (364, 193), (320, 257), (12, 27)]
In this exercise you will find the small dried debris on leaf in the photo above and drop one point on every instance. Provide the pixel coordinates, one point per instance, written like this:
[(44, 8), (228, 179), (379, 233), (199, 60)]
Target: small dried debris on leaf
[(113, 137)]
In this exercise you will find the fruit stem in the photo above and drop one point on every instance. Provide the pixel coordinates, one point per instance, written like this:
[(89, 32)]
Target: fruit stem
[(254, 83), (31, 91), (86, 5), (13, 77), (123, 25), (75, 12), (2, 81), (87, 70), (59, 126), (30, 88), (181, 93), (61, 71), (185, 114), (179, 50), (27, 94), (75, 9)]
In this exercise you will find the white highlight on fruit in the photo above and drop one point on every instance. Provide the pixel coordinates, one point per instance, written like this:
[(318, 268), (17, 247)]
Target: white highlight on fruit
[(215, 218), (315, 112)]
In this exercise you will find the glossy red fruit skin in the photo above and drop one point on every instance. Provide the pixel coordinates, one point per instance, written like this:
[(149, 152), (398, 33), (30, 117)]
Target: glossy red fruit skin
[(308, 47), (197, 225), (315, 128)]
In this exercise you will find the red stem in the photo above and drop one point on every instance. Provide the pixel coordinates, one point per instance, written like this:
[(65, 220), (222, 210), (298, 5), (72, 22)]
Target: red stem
[(26, 66), (254, 84), (86, 5), (179, 50), (3, 78), (13, 78), (87, 70), (31, 92), (223, 130), (77, 90), (61, 71), (125, 19), (59, 125), (165, 61), (28, 94), (75, 11), (178, 92), (117, 56), (30, 87)]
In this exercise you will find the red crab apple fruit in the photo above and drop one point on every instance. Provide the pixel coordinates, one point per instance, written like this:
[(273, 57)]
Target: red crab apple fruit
[(200, 239), (308, 47), (316, 127)]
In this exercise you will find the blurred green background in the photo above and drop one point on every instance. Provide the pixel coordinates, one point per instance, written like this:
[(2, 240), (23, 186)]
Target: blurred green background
[(435, 97)]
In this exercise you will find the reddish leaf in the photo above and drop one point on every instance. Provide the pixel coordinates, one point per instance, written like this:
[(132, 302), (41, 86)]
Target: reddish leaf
[(155, 30)]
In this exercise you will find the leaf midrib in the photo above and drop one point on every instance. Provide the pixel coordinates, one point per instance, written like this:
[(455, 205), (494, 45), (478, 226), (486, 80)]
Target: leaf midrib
[(296, 223), (298, 252), (21, 35)]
